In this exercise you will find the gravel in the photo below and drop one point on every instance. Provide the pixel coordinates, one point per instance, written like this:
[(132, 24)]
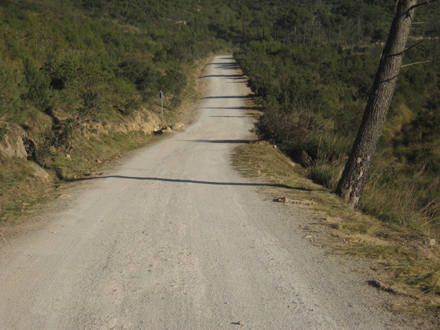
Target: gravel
[(174, 238)]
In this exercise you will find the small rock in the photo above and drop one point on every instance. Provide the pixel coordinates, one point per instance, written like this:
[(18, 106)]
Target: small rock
[(39, 172), (64, 196), (166, 129), (431, 242), (68, 156), (178, 126), (275, 147), (240, 323)]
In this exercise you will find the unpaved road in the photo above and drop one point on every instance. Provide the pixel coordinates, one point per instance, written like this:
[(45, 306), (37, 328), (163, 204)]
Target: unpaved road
[(174, 238)]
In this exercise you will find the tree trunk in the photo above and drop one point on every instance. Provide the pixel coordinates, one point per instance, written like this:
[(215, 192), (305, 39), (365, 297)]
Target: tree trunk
[(304, 37), (339, 36), (296, 36), (358, 37), (329, 36), (436, 45), (356, 170)]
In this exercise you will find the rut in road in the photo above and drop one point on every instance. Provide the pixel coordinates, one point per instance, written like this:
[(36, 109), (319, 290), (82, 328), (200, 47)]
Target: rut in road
[(174, 238)]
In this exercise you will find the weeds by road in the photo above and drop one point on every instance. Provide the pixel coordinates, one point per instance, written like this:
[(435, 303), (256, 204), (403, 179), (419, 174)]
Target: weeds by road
[(405, 263)]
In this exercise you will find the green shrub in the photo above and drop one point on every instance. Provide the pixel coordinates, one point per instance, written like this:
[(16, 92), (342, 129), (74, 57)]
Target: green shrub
[(3, 131), (326, 174), (63, 72), (91, 106), (12, 86), (173, 82), (142, 74), (39, 90)]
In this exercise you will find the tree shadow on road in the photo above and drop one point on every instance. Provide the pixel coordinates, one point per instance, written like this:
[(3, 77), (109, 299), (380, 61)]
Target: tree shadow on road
[(225, 66), (220, 141), (249, 116), (235, 108), (227, 97), (229, 76), (242, 184)]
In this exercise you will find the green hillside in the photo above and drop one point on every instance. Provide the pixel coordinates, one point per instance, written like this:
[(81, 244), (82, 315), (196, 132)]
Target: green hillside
[(75, 74), (70, 71), (54, 53), (313, 75)]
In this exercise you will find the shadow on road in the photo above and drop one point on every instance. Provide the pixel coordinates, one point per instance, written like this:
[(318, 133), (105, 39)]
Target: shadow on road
[(227, 97), (225, 66), (193, 181), (230, 76), (220, 141), (248, 116), (235, 108)]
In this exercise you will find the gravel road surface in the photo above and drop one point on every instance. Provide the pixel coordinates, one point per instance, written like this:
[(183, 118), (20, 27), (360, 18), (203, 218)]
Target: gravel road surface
[(174, 238)]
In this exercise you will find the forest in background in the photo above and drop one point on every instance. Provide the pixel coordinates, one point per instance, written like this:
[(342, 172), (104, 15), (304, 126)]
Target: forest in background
[(66, 65), (313, 75)]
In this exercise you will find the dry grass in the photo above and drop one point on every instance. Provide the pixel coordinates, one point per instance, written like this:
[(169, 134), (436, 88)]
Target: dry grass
[(21, 190), (405, 262)]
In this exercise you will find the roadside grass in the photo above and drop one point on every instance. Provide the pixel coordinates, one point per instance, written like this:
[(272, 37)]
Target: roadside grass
[(21, 190), (406, 263), (97, 151)]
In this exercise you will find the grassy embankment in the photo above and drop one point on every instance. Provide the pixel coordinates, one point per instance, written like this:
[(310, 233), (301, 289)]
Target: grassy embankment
[(313, 90), (21, 188), (405, 262), (79, 85)]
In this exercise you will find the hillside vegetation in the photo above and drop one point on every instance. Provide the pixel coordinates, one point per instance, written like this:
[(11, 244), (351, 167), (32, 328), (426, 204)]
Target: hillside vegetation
[(313, 75), (79, 82)]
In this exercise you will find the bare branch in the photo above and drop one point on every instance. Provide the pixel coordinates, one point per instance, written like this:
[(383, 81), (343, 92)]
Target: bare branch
[(398, 54), (422, 4), (415, 63)]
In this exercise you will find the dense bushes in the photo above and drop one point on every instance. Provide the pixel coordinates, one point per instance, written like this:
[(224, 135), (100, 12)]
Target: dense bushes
[(11, 89), (67, 65), (53, 57), (39, 92), (314, 99), (309, 140), (311, 65)]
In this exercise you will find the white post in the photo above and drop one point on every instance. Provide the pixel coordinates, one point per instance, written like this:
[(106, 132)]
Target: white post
[(161, 103), (161, 95)]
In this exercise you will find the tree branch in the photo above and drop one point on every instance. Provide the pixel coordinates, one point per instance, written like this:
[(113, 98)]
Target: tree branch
[(422, 4), (415, 63), (407, 49)]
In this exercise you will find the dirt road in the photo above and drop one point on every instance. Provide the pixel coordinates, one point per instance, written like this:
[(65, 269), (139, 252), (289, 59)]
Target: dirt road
[(174, 238)]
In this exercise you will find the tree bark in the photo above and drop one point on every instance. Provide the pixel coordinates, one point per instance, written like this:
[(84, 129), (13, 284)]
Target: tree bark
[(356, 170)]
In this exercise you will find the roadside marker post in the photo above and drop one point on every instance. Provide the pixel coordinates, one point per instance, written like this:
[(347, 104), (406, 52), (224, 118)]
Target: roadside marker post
[(161, 96)]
